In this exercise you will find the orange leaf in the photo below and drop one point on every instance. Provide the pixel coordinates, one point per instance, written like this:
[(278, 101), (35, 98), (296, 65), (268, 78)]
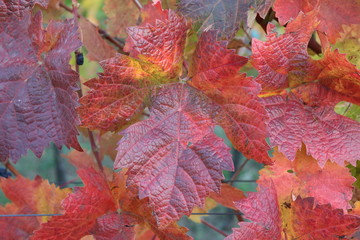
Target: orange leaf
[(28, 197)]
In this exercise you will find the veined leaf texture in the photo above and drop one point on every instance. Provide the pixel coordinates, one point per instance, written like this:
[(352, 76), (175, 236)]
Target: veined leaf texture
[(269, 73)]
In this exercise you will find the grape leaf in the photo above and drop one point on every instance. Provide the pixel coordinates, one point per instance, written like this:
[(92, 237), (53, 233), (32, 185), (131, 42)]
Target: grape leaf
[(114, 226), (121, 14), (105, 209), (346, 13), (215, 72), (339, 74), (283, 61), (28, 197), (98, 49), (81, 159), (330, 184), (18, 8), (160, 38), (82, 208), (224, 16), (119, 93), (227, 196), (108, 144), (307, 115), (37, 97), (263, 210), (174, 152), (299, 219), (313, 221)]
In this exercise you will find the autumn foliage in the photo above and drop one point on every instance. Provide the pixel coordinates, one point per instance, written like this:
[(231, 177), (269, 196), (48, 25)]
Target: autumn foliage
[(170, 74)]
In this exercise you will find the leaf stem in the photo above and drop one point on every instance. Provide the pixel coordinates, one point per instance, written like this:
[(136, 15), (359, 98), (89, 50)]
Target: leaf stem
[(213, 227), (94, 147), (12, 169), (94, 150), (138, 4), (234, 176)]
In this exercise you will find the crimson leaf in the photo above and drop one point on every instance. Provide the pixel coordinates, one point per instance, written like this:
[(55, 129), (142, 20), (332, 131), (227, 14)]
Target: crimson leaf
[(174, 156), (37, 97)]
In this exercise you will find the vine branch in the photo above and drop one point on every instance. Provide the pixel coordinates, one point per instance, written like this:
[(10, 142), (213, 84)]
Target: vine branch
[(232, 179), (120, 45), (94, 147), (138, 4), (213, 227), (12, 169)]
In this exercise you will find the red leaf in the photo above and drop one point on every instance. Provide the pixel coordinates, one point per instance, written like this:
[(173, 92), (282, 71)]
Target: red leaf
[(339, 74), (18, 8), (117, 95), (28, 197), (215, 72), (37, 98), (330, 184), (263, 210), (175, 152), (82, 207), (228, 195), (224, 16), (311, 221), (160, 38), (105, 209), (98, 49), (114, 226), (283, 61), (121, 14), (312, 120), (346, 13)]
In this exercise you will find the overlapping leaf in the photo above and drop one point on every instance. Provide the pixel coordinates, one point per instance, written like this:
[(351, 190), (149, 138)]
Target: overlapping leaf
[(312, 221), (262, 209), (224, 16), (28, 197), (10, 8), (176, 146), (174, 156), (98, 49), (215, 72), (160, 39), (82, 209), (37, 97), (121, 14), (299, 219), (104, 209), (283, 61), (338, 74), (330, 184), (346, 13), (119, 93), (309, 117)]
